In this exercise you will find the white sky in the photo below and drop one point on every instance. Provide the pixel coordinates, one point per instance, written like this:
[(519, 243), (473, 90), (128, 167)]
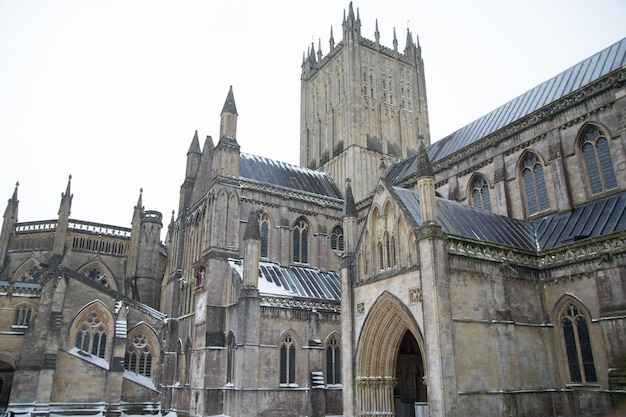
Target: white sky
[(111, 92)]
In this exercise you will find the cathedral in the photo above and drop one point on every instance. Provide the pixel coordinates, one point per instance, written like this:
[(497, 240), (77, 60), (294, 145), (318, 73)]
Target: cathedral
[(479, 274)]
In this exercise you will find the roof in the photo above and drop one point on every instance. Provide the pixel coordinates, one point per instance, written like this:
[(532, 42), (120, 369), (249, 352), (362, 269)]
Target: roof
[(295, 281), (467, 221), (592, 219), (563, 84), (281, 174)]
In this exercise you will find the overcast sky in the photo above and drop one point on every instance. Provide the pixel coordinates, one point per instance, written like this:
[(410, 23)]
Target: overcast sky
[(111, 92)]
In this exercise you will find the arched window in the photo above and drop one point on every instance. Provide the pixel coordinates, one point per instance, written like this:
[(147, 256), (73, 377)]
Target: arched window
[(333, 361), (480, 194), (287, 360), (577, 344), (336, 239), (23, 313), (534, 185), (91, 336), (300, 241), (264, 230), (139, 355), (597, 157)]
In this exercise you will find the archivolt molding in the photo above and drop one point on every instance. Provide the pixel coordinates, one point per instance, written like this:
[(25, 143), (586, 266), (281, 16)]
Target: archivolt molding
[(385, 325)]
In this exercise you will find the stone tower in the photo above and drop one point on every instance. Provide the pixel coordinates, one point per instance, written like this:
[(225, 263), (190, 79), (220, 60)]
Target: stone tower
[(360, 103)]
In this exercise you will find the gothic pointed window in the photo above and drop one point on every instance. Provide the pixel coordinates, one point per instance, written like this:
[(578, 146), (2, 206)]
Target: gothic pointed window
[(597, 161), (577, 342), (264, 229), (480, 194), (534, 185), (300, 234), (333, 362), (91, 335), (139, 355), (287, 361), (336, 239)]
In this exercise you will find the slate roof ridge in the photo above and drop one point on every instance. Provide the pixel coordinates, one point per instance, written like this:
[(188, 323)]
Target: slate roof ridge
[(555, 88)]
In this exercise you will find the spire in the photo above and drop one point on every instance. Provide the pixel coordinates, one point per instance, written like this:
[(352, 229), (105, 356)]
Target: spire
[(252, 228), (395, 40), (138, 208), (349, 207), (424, 167), (66, 198), (377, 33), (11, 210), (10, 218), (319, 50), (58, 247), (194, 147), (426, 186), (229, 104), (331, 41), (228, 123)]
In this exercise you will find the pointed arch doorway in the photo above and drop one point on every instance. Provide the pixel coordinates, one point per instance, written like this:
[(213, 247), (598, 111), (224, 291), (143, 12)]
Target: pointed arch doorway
[(390, 367), (7, 370)]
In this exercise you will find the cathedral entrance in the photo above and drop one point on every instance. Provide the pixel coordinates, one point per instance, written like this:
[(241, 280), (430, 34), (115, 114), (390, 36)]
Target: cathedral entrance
[(6, 380), (410, 389), (390, 367)]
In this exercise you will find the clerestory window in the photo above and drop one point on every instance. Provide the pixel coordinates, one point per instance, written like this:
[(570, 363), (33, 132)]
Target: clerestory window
[(597, 161), (300, 236), (534, 185), (480, 193)]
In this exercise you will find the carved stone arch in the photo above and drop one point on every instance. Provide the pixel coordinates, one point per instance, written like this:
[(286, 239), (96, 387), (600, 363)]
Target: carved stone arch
[(106, 276), (387, 325), (28, 271), (143, 350), (289, 332), (332, 334), (384, 327), (91, 319)]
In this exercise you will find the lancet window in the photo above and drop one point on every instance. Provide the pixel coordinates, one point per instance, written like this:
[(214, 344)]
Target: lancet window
[(480, 193), (597, 160), (577, 342), (534, 185)]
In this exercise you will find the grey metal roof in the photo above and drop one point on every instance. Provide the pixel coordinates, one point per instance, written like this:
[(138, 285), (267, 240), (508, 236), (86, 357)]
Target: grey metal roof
[(281, 174), (592, 219), (563, 84), (295, 281), (467, 221)]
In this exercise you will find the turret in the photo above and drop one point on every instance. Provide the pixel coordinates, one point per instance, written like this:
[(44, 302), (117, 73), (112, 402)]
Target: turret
[(63, 221), (10, 218), (143, 277), (426, 186), (226, 155)]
